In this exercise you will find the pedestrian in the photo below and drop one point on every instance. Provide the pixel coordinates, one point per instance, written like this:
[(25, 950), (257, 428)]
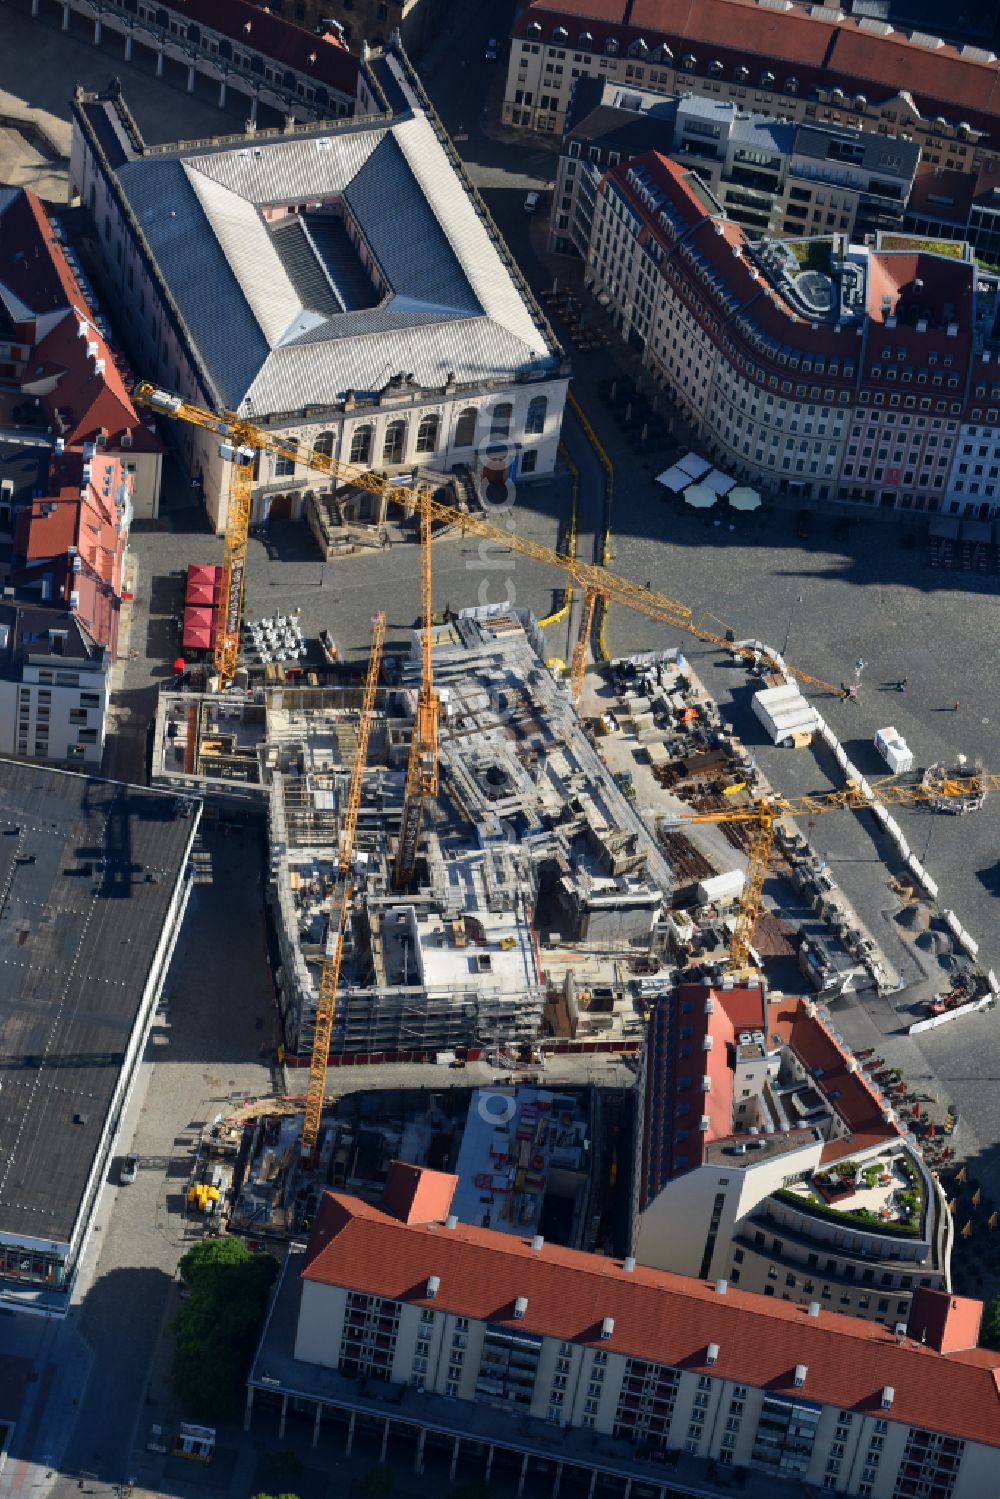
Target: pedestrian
[(955, 706), (901, 684)]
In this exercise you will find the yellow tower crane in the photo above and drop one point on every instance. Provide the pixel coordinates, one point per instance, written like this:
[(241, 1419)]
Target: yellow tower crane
[(326, 1006), (240, 438), (761, 817)]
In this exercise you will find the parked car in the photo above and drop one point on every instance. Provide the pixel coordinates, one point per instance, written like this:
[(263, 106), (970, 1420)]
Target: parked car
[(130, 1170), (531, 202), (491, 49)]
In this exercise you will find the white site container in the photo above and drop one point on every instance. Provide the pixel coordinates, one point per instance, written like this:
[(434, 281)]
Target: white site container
[(784, 712), (894, 750), (720, 888)]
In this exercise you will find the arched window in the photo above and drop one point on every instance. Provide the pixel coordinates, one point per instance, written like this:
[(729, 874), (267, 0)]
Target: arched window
[(500, 418), (537, 409), (465, 428), (323, 446), (361, 445), (427, 434), (767, 80), (689, 62), (395, 442)]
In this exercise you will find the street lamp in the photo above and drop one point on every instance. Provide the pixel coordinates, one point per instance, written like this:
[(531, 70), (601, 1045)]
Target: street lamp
[(788, 627)]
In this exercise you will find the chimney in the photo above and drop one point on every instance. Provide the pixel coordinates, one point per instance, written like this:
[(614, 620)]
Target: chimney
[(712, 1354), (721, 1287), (451, 1221), (607, 1328), (520, 1307), (538, 1242), (628, 1264), (814, 1308), (888, 1396), (433, 1286), (801, 1370)]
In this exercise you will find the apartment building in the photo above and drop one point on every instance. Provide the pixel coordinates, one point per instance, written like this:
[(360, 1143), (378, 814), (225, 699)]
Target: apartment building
[(771, 177), (63, 381), (818, 369), (957, 206), (245, 49), (504, 1355), (54, 686), (760, 1142), (805, 64), (389, 342)]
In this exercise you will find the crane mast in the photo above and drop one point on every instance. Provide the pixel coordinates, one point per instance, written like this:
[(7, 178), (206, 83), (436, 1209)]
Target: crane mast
[(326, 1006), (422, 764)]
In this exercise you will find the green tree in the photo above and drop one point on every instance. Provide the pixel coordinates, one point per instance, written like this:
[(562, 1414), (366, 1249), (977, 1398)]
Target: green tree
[(218, 1327), (378, 1483), (989, 1332)]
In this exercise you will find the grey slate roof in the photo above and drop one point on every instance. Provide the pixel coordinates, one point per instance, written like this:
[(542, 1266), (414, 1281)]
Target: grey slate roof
[(762, 134), (813, 141), (256, 311)]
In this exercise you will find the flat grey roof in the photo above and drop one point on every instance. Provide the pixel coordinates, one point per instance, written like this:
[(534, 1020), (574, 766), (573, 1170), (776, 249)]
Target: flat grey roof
[(88, 869)]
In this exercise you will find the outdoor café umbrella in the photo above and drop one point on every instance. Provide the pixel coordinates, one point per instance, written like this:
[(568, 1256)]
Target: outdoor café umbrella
[(700, 496), (201, 595), (744, 499), (197, 637), (198, 627)]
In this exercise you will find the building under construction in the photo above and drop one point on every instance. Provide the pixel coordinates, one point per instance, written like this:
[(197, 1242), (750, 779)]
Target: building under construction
[(529, 852)]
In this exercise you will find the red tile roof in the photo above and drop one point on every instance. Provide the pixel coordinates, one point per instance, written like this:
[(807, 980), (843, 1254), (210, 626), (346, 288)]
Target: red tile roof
[(414, 1195), (668, 1319), (324, 59), (845, 1089), (677, 1062), (32, 263), (85, 400), (945, 1322), (819, 50), (81, 515)]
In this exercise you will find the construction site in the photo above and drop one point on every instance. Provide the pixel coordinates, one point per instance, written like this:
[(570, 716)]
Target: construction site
[(527, 1159), (481, 854)]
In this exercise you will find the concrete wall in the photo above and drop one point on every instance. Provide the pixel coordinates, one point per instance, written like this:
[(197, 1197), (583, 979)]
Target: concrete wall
[(674, 1228)]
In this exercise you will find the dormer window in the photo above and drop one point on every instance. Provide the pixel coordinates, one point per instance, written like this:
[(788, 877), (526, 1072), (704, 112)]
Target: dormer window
[(689, 62)]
